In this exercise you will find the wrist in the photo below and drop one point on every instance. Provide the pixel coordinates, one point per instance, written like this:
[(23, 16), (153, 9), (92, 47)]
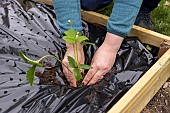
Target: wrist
[(114, 41)]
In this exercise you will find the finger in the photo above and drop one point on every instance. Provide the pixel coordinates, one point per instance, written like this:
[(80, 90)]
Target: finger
[(65, 68), (89, 75), (68, 77), (99, 74), (73, 81), (67, 73)]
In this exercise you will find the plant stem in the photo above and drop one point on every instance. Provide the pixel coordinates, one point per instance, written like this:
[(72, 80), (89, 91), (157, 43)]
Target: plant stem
[(56, 59), (76, 54), (76, 49)]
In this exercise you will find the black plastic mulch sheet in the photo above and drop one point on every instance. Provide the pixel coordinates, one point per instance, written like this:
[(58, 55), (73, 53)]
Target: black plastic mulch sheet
[(33, 29)]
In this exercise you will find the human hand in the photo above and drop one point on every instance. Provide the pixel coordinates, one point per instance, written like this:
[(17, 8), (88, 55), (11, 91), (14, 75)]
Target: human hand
[(70, 52), (103, 59)]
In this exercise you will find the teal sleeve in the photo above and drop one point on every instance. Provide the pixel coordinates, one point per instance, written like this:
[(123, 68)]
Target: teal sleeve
[(123, 16), (68, 10)]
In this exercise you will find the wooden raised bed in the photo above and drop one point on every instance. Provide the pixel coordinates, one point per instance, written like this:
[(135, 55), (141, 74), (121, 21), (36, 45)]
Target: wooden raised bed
[(142, 92)]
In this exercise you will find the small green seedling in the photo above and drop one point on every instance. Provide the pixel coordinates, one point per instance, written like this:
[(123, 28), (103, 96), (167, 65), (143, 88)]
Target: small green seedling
[(73, 37)]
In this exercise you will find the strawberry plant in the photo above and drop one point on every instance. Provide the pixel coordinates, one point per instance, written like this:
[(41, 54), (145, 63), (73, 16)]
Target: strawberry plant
[(71, 36)]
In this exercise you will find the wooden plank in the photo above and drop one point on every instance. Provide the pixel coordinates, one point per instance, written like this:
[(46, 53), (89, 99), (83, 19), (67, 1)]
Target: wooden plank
[(48, 2), (145, 35), (143, 91)]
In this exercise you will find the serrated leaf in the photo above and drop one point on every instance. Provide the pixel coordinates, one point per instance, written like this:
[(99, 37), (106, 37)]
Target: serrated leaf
[(69, 39), (29, 61), (30, 74), (71, 33), (80, 39), (84, 66), (88, 43), (72, 62), (77, 74)]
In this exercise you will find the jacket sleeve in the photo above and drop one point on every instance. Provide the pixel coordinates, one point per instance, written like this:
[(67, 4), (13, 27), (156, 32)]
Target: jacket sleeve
[(123, 16), (68, 10)]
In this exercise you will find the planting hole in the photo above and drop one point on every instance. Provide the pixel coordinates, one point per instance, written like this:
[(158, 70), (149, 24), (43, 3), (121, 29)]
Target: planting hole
[(27, 91), (5, 92), (11, 79), (14, 100), (27, 49), (128, 81)]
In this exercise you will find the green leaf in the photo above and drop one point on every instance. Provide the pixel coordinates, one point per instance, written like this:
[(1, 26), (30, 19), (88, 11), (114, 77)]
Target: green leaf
[(71, 33), (84, 66), (80, 39), (148, 47), (77, 74), (69, 39), (72, 62), (30, 74), (88, 43), (29, 61)]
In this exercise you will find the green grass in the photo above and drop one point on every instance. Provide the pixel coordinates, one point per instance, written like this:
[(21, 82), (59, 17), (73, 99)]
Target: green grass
[(160, 17)]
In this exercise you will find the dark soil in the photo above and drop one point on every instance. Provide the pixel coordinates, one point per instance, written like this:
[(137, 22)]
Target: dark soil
[(48, 77), (160, 102)]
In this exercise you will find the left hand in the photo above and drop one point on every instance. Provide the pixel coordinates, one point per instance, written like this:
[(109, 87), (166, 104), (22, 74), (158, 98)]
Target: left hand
[(103, 59)]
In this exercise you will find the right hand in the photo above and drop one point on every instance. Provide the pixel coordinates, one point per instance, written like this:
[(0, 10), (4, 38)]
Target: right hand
[(70, 52)]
